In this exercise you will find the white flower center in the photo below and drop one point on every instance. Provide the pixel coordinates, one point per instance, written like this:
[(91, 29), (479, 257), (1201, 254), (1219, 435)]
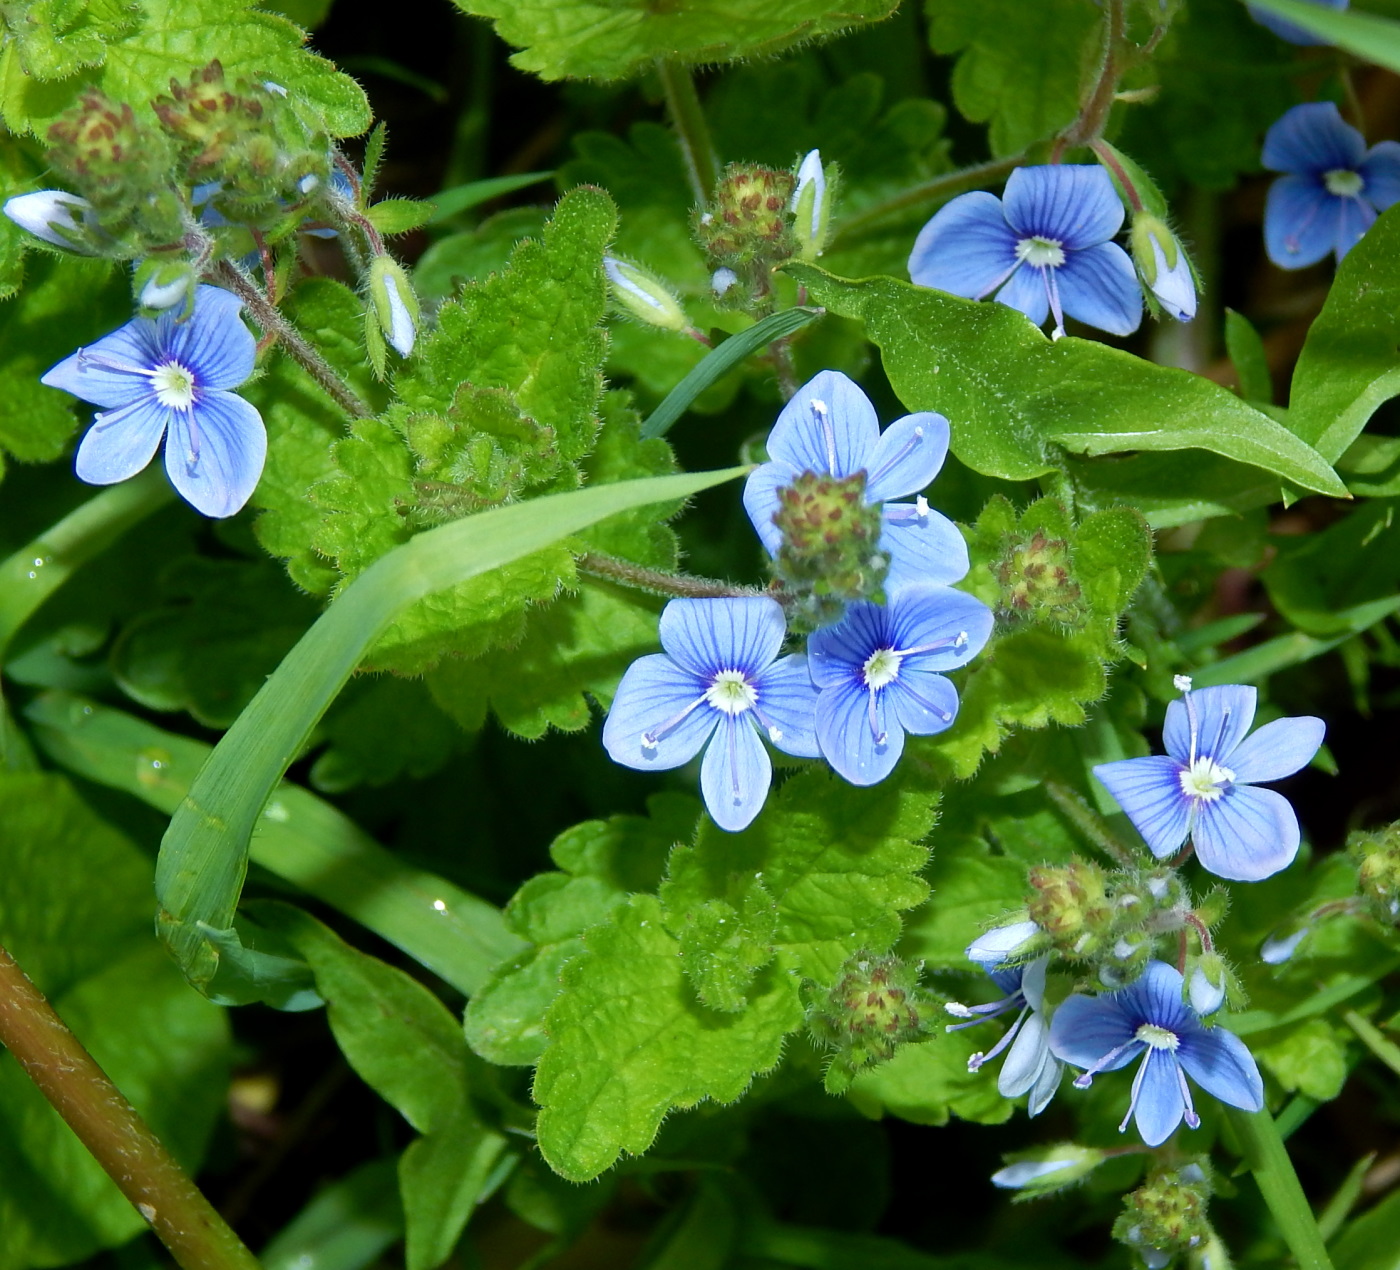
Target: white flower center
[(174, 385), (881, 668), (1343, 182), (1040, 252), (1157, 1038), (1205, 780), (731, 692)]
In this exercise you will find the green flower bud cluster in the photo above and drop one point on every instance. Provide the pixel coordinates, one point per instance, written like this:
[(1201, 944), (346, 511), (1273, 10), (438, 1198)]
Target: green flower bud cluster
[(1377, 857), (747, 230), (874, 1006), (1166, 1215), (1037, 580), (829, 555)]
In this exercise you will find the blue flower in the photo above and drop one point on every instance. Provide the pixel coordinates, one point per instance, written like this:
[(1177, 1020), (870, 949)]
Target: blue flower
[(1042, 249), (829, 427), (878, 673), (1030, 1068), (1333, 188), (1149, 1017), (159, 374), (1204, 785), (1290, 31), (720, 680)]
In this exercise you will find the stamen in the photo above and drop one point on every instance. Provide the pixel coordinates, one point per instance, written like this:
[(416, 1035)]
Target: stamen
[(819, 408), (928, 705), (103, 361), (733, 759), (1087, 1079), (650, 740), (1052, 292), (921, 507), (896, 459), (977, 1060), (775, 733), (1137, 1089), (1193, 1121), (958, 641), (879, 736)]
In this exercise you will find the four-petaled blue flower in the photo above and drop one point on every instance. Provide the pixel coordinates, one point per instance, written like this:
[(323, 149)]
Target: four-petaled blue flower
[(1204, 785), (1291, 31), (155, 375), (720, 677), (1333, 188), (1043, 248), (878, 673), (1149, 1017), (829, 427)]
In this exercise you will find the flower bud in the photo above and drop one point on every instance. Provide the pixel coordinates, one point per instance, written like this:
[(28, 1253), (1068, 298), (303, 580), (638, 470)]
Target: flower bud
[(1037, 579), (1072, 906), (874, 1006), (1166, 1216), (811, 207), (1003, 943), (1206, 983), (1045, 1170), (644, 295), (1280, 946), (394, 304), (749, 221), (722, 280), (161, 283), (1163, 267), (56, 217), (1377, 856)]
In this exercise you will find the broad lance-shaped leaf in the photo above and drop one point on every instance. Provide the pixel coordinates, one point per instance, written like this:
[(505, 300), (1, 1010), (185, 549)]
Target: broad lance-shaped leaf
[(204, 854), (1012, 394), (614, 39)]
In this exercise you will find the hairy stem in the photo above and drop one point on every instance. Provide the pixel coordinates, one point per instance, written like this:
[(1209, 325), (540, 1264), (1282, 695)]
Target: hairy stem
[(1110, 161), (120, 1141), (1089, 824), (1093, 115), (270, 318), (1268, 1160), (931, 191), (692, 131), (659, 583)]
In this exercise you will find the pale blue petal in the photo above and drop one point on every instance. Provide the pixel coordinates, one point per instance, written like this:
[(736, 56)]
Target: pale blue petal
[(958, 624), (1150, 794), (829, 426), (1313, 139), (215, 453), (1026, 292), (654, 692), (1160, 1104), (708, 636), (735, 774), (1381, 172), (212, 342), (1300, 222), (909, 455), (126, 354), (761, 501), (1278, 749), (1033, 982), (989, 950), (925, 703), (1354, 217), (787, 698), (847, 739), (835, 654), (1024, 1060), (1223, 717), (1219, 1062), (1074, 204), (1246, 834), (1046, 1085), (966, 249), (121, 443), (1086, 1029), (1156, 996), (1099, 287), (927, 548)]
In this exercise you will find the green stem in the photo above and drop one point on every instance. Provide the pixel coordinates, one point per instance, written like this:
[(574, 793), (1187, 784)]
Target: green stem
[(932, 191), (109, 1127), (1268, 1160), (1375, 1040), (1083, 818), (693, 132), (657, 582)]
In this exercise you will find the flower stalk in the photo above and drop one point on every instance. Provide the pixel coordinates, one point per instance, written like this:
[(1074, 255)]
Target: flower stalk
[(658, 582), (1268, 1160), (702, 166)]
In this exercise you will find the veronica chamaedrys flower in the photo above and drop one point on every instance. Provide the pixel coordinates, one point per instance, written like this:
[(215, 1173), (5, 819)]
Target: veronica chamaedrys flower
[(1030, 1068), (1333, 187), (1290, 31), (1204, 785), (1043, 248), (159, 375), (829, 427), (878, 673), (720, 680), (1149, 1017)]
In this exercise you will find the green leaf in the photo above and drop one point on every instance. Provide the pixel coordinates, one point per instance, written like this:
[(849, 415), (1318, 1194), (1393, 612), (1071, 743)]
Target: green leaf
[(929, 1083), (724, 941), (1311, 1060), (970, 887), (1348, 366), (407, 1047), (1369, 35), (1024, 78), (392, 216), (1247, 353), (461, 198), (1370, 1242), (58, 38), (369, 738), (629, 1042), (172, 38), (474, 253), (1011, 394), (345, 1227), (596, 39)]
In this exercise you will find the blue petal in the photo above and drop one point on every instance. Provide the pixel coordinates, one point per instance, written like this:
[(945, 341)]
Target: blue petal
[(708, 636), (1099, 286), (1026, 292), (132, 346), (966, 249), (653, 692), (1029, 1053), (1085, 1030), (215, 453), (1223, 716), (835, 654), (761, 501), (1286, 30), (787, 698), (1246, 834), (212, 342), (1381, 172), (1354, 217), (909, 455), (1046, 1085), (1278, 749), (957, 623), (735, 774), (1149, 792), (847, 740), (828, 426), (925, 703), (1300, 221), (1155, 997), (1074, 204), (121, 443), (1313, 139), (1219, 1062), (925, 548), (1160, 1103)]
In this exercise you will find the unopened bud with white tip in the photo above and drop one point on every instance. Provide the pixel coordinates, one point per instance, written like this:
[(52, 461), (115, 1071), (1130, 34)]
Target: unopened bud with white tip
[(1163, 266), (644, 295), (160, 284), (53, 216), (811, 206), (394, 303)]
